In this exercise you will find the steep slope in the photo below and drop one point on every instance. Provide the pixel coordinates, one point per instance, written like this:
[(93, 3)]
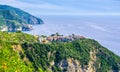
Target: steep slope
[(15, 19), (10, 60), (81, 55), (11, 52)]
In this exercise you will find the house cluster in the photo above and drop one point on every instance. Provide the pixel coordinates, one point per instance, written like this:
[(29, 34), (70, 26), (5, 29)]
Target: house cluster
[(59, 38)]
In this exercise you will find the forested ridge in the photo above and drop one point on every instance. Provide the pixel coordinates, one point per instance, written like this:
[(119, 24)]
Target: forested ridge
[(21, 52)]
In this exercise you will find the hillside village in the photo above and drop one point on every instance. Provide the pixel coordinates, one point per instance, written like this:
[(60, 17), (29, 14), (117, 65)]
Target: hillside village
[(58, 38)]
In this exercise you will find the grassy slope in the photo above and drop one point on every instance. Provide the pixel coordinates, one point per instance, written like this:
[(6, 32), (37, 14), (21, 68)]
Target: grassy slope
[(10, 58)]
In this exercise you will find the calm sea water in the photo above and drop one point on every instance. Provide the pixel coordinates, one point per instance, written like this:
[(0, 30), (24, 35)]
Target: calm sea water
[(105, 29)]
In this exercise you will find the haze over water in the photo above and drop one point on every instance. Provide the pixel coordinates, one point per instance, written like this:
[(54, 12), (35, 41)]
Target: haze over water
[(105, 29)]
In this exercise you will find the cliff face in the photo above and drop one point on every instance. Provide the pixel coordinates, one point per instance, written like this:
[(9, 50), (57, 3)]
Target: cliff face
[(14, 18), (72, 65), (24, 53)]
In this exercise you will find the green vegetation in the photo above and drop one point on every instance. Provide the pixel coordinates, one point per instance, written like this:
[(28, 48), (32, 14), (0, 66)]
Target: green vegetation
[(10, 60), (17, 37), (23, 52), (78, 49)]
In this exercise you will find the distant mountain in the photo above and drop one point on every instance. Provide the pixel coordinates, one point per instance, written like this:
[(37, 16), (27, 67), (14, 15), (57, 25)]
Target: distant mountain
[(13, 19), (21, 52)]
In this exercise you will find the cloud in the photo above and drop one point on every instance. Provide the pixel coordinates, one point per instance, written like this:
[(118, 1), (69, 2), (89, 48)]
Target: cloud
[(36, 8), (42, 7), (21, 4), (65, 7)]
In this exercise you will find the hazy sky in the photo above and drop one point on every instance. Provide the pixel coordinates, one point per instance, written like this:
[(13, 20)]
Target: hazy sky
[(39, 7)]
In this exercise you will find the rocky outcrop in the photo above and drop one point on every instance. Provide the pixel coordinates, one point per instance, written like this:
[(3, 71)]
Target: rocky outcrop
[(91, 67), (72, 65)]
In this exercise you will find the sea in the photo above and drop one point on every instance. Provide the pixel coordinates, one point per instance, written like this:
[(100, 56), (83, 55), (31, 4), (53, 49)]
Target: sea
[(103, 28)]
